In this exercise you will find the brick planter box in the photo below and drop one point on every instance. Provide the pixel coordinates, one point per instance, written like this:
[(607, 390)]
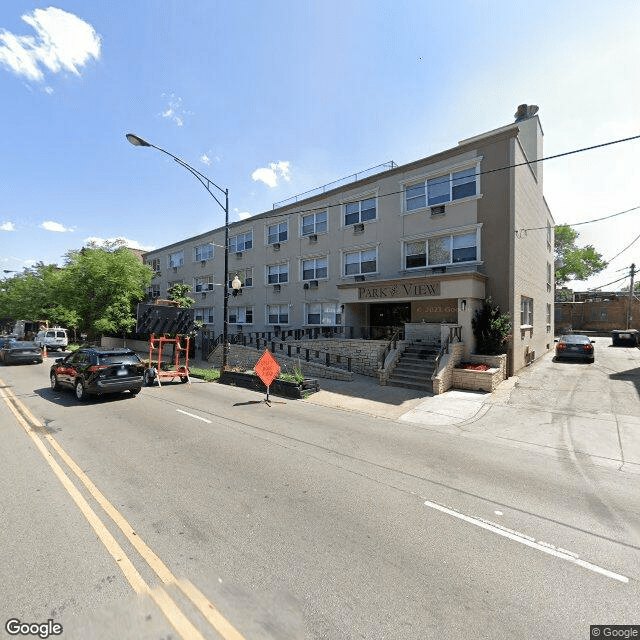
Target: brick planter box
[(282, 388)]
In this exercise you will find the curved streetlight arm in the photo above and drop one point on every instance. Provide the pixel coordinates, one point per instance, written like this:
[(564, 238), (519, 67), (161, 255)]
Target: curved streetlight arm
[(137, 141), (206, 182)]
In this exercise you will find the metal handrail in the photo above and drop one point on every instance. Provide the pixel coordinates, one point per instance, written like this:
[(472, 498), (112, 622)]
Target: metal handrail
[(387, 350), (454, 332)]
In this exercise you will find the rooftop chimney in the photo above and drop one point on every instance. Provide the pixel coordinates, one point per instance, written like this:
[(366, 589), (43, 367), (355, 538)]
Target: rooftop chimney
[(525, 111)]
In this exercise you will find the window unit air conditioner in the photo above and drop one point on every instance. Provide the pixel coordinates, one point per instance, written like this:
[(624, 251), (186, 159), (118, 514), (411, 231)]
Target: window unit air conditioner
[(437, 211), (210, 286), (276, 288), (358, 228), (313, 237), (359, 278), (198, 288), (276, 246), (204, 294), (175, 269), (203, 263), (238, 254), (305, 285), (313, 284)]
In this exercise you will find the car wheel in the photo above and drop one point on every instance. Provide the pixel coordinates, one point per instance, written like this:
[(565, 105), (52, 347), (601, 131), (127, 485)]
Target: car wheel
[(184, 379), (81, 394), (134, 392), (54, 381)]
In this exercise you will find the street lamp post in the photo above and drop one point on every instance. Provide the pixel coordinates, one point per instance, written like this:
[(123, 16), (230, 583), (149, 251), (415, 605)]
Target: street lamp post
[(137, 141)]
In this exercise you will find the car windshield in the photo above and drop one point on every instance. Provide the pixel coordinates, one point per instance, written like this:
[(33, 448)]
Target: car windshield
[(118, 358), (575, 339)]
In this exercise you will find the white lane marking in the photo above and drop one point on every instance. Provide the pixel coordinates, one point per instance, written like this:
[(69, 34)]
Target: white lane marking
[(529, 542), (192, 416)]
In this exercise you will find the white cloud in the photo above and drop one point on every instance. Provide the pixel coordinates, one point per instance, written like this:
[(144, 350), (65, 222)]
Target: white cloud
[(132, 244), (50, 225), (7, 226), (62, 42), (270, 175), (174, 110), (205, 159), (243, 215)]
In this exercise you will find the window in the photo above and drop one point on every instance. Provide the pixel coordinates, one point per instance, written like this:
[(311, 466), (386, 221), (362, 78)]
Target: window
[(203, 252), (278, 233), (548, 318), (315, 268), (154, 291), (277, 273), (176, 259), (241, 242), (278, 314), (445, 188), (204, 315), (323, 313), (361, 211), (314, 223), (173, 283), (526, 311), (205, 283), (359, 262), (241, 315), (549, 281), (245, 276), (549, 236), (154, 264), (441, 250)]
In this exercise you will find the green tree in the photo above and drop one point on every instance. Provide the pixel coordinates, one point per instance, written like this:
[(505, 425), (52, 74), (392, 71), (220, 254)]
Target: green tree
[(101, 284), (490, 329), (574, 262), (178, 293)]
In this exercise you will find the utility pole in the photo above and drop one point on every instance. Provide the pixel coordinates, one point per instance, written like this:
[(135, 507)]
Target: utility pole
[(629, 316)]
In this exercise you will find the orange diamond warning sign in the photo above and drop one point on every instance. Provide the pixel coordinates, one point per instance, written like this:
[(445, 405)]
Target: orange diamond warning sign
[(267, 369)]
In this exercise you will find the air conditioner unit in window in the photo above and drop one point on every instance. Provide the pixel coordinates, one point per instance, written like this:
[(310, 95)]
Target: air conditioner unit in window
[(313, 237), (359, 278), (175, 269), (276, 288), (276, 246), (305, 285), (313, 284), (358, 228), (204, 294), (238, 254), (198, 288), (437, 211), (203, 263), (210, 286)]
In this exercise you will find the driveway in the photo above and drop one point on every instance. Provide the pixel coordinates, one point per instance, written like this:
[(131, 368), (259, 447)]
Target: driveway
[(566, 408)]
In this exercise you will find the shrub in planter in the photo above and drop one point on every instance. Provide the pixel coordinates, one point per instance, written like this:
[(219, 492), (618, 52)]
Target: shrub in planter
[(490, 329)]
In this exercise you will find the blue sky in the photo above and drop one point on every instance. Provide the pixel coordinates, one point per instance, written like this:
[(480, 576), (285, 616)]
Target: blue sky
[(271, 99)]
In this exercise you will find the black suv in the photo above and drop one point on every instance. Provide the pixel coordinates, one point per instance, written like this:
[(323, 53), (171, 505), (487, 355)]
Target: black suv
[(98, 370)]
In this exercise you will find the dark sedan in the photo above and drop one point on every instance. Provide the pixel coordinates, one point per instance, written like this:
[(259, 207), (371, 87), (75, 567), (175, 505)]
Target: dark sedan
[(575, 347), (16, 351), (98, 371)]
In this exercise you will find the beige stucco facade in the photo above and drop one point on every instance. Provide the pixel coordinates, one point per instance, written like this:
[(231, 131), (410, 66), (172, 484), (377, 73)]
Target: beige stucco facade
[(425, 242)]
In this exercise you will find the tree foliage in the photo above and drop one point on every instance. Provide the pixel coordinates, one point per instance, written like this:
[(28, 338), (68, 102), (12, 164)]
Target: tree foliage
[(178, 293), (574, 262), (490, 329), (94, 292)]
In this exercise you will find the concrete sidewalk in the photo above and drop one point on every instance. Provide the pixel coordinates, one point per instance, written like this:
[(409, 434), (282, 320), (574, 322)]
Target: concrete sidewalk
[(590, 413)]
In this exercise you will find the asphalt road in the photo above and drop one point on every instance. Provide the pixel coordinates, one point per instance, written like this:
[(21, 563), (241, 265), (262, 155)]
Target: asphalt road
[(300, 521)]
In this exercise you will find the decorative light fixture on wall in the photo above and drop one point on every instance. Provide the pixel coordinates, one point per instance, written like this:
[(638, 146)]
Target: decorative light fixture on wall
[(463, 305)]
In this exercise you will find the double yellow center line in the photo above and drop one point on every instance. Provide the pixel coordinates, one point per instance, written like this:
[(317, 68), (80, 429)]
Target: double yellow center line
[(183, 626)]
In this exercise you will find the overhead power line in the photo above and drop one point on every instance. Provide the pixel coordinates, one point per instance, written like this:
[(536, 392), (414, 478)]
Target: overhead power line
[(274, 214)]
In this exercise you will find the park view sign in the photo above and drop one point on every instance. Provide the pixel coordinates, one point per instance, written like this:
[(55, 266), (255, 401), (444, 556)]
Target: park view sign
[(408, 289)]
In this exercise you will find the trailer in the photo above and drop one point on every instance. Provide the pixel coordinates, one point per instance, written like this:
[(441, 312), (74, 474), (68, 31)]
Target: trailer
[(161, 370)]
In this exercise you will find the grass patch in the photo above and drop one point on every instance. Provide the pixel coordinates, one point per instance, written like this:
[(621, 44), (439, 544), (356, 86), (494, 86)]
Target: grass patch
[(208, 375)]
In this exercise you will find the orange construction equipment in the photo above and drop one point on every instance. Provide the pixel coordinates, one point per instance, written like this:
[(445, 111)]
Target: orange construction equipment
[(156, 346)]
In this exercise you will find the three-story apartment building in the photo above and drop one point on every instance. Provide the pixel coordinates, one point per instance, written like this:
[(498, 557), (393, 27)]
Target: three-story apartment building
[(418, 246)]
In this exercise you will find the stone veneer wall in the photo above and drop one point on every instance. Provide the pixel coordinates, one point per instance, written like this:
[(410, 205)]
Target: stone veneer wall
[(443, 380), (245, 358), (481, 380), (364, 354)]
